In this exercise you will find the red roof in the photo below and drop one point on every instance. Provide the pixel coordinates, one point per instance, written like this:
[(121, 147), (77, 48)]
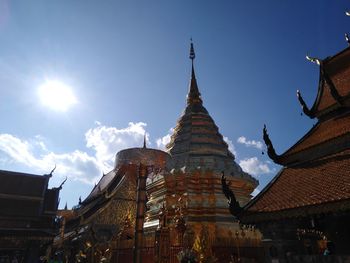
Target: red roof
[(321, 133), (316, 176), (317, 182), (338, 70)]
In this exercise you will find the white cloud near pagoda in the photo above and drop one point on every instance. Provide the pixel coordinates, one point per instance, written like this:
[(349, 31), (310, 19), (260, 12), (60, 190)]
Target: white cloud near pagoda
[(231, 147), (107, 141), (163, 141), (34, 155), (255, 167), (250, 143)]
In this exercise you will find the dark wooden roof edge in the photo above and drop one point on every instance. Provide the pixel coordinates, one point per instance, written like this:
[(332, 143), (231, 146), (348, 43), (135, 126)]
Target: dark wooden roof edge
[(262, 192), (311, 112), (45, 178), (22, 197), (301, 211), (24, 174), (323, 78)]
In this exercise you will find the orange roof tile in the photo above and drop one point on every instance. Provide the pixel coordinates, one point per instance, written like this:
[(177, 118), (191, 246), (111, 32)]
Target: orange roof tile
[(322, 132), (316, 182)]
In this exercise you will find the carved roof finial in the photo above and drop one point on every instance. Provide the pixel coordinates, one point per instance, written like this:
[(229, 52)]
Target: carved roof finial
[(347, 38), (66, 207), (234, 206), (50, 174), (270, 150), (314, 60), (304, 107), (61, 185)]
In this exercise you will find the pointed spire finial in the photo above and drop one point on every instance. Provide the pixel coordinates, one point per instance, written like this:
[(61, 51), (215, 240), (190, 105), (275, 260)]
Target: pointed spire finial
[(194, 95), (66, 206), (192, 54), (144, 141)]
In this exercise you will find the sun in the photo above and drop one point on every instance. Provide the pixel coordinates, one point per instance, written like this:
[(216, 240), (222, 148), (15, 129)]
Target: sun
[(56, 95)]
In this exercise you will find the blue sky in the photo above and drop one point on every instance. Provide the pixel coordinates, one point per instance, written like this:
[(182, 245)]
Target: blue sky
[(127, 64)]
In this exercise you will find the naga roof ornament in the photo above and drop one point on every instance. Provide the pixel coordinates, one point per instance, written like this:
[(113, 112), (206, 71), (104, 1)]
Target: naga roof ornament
[(270, 150)]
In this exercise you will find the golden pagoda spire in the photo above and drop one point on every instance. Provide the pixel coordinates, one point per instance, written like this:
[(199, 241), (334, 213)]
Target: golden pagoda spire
[(194, 95)]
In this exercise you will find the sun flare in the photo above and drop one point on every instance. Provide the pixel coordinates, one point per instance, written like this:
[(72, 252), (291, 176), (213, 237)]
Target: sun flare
[(56, 95)]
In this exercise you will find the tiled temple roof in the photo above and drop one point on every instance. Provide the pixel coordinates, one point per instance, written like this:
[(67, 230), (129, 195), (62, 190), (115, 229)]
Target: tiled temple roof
[(338, 70), (331, 107), (316, 174), (322, 133), (317, 182), (333, 89)]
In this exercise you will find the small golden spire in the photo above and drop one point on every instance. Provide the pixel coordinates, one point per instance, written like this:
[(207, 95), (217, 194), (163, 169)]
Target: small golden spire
[(144, 141)]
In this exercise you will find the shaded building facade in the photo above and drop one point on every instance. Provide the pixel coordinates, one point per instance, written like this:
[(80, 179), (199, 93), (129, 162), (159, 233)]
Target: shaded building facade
[(27, 216)]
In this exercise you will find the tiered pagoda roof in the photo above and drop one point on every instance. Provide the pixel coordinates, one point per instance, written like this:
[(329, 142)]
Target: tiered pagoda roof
[(316, 176), (196, 141)]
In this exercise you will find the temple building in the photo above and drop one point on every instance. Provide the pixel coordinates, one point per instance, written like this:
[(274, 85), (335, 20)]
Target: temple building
[(305, 209), (185, 206), (27, 216)]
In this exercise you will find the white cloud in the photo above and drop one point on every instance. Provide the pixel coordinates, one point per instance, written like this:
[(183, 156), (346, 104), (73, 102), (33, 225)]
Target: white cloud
[(231, 147), (33, 154), (77, 165), (250, 143), (107, 141), (255, 167), (163, 141)]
